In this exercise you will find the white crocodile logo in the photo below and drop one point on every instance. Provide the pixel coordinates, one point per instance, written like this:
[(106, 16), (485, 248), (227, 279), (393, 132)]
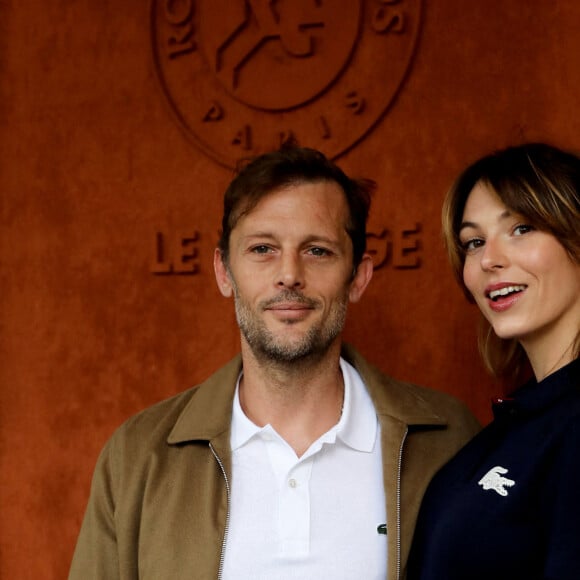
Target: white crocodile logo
[(494, 479)]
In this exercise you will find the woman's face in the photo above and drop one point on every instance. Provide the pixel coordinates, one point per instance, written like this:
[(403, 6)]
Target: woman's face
[(523, 280)]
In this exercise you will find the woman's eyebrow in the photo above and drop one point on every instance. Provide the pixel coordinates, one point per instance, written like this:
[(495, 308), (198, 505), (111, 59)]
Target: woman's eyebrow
[(502, 216)]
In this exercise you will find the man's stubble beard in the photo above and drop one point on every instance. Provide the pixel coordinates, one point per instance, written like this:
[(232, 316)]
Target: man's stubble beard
[(270, 348)]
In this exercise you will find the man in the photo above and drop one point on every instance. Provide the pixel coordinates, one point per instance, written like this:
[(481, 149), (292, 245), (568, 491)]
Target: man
[(297, 459)]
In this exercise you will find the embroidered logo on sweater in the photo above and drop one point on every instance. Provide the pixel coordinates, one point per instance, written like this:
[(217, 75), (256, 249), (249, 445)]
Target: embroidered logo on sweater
[(494, 479)]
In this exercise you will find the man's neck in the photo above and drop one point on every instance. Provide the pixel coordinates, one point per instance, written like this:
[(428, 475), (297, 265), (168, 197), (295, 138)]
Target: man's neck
[(301, 401)]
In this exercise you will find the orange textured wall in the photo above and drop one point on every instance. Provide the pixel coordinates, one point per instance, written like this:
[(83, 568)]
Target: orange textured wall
[(116, 142)]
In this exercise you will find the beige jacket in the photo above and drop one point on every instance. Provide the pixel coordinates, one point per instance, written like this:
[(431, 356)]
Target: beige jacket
[(158, 508)]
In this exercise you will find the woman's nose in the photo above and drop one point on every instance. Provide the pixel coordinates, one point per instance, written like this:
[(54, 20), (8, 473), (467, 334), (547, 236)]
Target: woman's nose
[(494, 255)]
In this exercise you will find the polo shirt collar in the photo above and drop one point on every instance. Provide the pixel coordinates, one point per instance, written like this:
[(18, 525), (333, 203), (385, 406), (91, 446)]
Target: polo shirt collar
[(242, 428), (358, 424), (356, 428)]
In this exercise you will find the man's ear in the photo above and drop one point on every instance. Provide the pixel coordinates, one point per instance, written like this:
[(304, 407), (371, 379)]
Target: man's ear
[(362, 277), (221, 274)]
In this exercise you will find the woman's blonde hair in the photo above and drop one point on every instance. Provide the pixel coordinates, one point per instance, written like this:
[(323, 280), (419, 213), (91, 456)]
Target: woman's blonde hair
[(537, 181)]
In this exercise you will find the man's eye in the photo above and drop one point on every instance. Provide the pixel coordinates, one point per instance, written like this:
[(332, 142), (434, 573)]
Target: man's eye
[(316, 251), (261, 249)]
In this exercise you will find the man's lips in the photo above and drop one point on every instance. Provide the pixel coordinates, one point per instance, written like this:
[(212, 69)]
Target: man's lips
[(290, 311), (291, 306)]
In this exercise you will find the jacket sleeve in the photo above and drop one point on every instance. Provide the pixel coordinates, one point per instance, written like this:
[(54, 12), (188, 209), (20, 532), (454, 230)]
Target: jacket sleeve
[(563, 499), (96, 554)]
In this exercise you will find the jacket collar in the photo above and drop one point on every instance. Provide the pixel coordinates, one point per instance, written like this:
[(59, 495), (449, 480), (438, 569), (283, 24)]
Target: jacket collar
[(207, 414), (393, 398)]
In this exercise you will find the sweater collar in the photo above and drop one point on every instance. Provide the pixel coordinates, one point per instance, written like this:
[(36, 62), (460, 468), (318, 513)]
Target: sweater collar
[(535, 396)]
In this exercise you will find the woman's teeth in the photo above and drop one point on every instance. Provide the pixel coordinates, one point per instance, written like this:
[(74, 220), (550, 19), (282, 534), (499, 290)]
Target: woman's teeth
[(495, 294)]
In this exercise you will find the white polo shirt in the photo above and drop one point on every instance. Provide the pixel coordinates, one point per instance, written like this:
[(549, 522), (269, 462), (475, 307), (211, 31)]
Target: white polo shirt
[(313, 517)]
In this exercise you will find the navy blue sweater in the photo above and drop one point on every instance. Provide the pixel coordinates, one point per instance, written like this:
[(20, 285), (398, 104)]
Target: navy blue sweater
[(507, 506)]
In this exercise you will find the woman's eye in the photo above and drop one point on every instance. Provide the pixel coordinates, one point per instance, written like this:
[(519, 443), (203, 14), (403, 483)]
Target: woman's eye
[(472, 244), (522, 229)]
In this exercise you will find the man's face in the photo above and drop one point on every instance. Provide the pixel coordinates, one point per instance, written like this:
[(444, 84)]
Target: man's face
[(291, 272)]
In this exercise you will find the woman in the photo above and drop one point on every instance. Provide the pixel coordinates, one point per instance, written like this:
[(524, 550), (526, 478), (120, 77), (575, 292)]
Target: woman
[(507, 506)]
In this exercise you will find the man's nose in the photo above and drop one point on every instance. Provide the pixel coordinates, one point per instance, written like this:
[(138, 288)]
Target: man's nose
[(291, 272)]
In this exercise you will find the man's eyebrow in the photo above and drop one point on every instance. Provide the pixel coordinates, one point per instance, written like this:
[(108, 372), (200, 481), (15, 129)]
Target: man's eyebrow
[(264, 234), (307, 239), (323, 239)]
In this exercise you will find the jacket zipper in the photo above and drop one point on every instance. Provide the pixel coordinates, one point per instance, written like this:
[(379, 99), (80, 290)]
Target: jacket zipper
[(400, 466), (226, 530)]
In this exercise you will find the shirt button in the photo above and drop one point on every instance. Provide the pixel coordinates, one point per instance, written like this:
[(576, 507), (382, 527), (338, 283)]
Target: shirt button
[(292, 483)]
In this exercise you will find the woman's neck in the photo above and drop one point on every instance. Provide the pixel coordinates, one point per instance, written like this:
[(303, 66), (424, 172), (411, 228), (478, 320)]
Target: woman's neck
[(546, 360)]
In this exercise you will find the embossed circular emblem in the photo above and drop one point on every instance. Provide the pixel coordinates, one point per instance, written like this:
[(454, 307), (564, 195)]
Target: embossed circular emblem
[(242, 76)]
